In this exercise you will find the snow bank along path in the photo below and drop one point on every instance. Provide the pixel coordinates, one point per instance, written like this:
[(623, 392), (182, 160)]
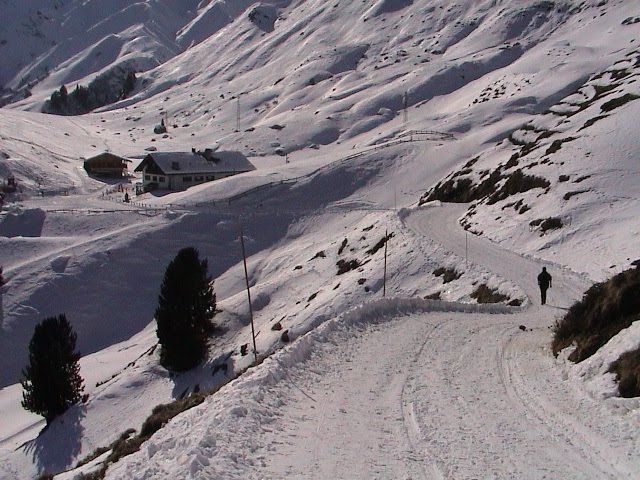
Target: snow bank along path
[(397, 389)]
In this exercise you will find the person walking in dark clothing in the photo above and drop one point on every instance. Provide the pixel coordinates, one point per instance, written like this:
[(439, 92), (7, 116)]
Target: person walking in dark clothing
[(544, 281)]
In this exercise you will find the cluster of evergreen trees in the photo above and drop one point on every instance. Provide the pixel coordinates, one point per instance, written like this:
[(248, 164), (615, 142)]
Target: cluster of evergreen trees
[(186, 306), (105, 89)]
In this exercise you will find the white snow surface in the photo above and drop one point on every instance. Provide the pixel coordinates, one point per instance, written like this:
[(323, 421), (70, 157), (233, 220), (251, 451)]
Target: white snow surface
[(378, 379)]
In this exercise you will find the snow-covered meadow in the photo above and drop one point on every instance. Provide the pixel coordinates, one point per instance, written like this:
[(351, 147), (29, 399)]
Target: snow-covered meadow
[(371, 114)]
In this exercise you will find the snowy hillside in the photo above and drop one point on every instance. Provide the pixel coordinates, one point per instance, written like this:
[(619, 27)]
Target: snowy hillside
[(62, 42), (360, 117)]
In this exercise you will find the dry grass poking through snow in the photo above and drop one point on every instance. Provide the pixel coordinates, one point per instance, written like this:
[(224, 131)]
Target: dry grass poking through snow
[(605, 310), (627, 370), (129, 442)]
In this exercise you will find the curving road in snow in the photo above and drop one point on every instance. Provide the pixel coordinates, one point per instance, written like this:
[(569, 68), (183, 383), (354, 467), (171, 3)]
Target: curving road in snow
[(399, 390), (450, 395)]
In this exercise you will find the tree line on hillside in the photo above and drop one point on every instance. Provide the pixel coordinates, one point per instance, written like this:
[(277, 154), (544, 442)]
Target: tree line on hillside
[(186, 307), (107, 88)]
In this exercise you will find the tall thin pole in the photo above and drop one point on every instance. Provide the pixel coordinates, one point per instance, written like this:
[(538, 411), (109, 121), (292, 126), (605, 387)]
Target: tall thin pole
[(238, 115), (466, 249), (246, 277), (405, 102), (384, 281)]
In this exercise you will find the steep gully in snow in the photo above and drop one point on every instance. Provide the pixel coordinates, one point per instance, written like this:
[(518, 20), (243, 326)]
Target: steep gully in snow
[(448, 394)]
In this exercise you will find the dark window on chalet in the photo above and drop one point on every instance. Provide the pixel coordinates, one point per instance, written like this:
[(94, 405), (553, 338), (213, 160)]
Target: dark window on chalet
[(199, 179), (155, 178), (187, 179), (147, 177), (161, 179), (211, 177)]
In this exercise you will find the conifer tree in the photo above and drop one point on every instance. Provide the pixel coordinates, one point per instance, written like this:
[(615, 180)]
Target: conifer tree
[(186, 306), (52, 381)]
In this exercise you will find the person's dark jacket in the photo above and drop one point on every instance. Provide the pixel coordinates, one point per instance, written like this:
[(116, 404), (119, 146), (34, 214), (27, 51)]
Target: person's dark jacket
[(544, 279)]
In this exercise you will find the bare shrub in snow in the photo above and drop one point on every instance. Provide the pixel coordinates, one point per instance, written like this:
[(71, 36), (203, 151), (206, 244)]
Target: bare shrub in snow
[(605, 309), (484, 294)]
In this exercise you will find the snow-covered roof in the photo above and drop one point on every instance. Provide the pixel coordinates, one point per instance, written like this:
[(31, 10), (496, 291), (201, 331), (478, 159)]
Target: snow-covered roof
[(195, 162)]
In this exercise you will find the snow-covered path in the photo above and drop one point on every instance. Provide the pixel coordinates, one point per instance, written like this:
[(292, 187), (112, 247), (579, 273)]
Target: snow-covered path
[(410, 389), (449, 395)]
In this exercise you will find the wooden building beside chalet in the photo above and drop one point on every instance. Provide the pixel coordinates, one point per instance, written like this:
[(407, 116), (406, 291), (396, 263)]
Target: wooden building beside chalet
[(181, 170), (107, 165)]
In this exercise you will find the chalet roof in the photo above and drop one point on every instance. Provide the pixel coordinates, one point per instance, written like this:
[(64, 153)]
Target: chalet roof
[(106, 156), (176, 163)]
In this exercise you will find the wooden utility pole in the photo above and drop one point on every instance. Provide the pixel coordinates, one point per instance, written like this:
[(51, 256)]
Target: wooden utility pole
[(246, 277)]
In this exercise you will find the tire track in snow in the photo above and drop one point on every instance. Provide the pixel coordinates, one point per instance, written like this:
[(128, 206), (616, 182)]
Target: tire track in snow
[(516, 362), (411, 421), (361, 440)]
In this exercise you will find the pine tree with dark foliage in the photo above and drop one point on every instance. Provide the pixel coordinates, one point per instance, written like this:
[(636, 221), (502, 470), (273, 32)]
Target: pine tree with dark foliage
[(186, 306), (52, 381)]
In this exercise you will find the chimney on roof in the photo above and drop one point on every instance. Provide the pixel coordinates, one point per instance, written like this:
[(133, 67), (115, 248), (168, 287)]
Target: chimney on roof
[(207, 153)]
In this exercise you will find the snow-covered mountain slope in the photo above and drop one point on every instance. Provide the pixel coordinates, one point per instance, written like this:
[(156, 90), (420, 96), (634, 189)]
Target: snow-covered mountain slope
[(44, 46), (584, 181), (374, 104)]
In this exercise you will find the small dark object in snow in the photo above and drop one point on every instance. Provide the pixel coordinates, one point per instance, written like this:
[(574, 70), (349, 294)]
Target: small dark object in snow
[(523, 328), (342, 246), (243, 349), (285, 336), (276, 326), (320, 254)]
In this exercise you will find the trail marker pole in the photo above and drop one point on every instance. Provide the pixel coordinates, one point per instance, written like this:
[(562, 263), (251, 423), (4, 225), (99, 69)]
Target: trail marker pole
[(384, 280), (246, 277), (238, 115), (405, 102), (466, 249)]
